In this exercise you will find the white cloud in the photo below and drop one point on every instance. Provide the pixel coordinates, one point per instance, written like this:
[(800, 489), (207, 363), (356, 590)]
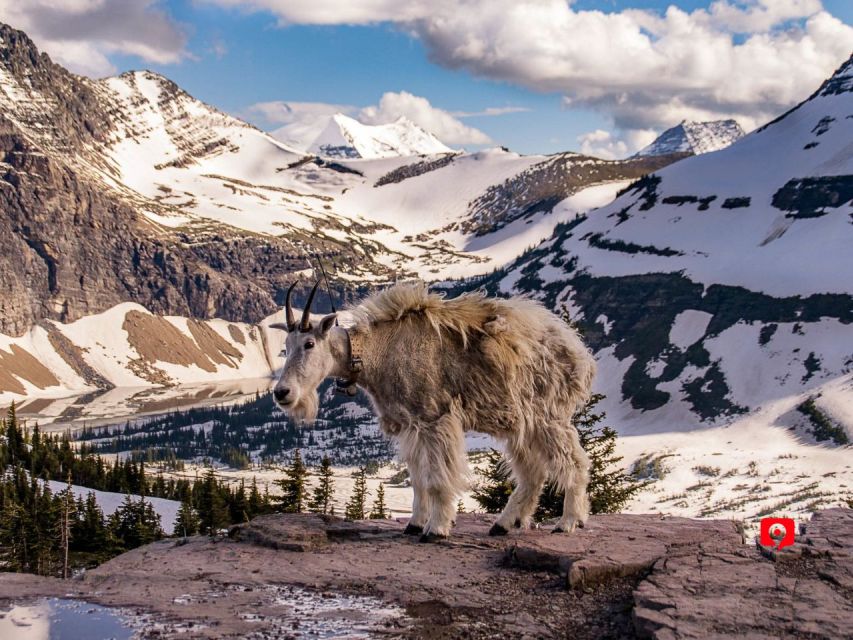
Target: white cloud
[(749, 60), (81, 34), (300, 123), (602, 144), (438, 122)]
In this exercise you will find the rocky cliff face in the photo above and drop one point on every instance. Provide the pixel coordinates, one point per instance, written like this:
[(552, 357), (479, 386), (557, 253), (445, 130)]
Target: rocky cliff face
[(73, 247)]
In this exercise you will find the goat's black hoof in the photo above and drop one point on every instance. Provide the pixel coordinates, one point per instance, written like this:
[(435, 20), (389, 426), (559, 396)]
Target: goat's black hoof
[(517, 523), (432, 537), (497, 530), (581, 524), (413, 530), (558, 530)]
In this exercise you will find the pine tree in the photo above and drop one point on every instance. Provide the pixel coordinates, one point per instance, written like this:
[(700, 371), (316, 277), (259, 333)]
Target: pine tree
[(609, 489), (238, 505), (212, 510), (355, 509), (324, 492), (67, 512), (187, 522), (256, 504), (492, 492), (91, 531), (379, 510), (293, 486)]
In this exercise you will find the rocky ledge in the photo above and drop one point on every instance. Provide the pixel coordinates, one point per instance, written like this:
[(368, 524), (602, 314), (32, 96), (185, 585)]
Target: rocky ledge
[(622, 576)]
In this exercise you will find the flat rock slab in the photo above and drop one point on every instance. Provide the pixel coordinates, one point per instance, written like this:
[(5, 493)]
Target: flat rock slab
[(627, 576), (803, 591), (620, 545)]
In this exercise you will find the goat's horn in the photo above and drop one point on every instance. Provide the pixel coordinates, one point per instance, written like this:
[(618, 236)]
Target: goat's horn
[(288, 310), (305, 325)]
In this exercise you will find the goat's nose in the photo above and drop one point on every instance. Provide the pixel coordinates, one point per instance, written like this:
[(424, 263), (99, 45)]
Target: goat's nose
[(281, 394)]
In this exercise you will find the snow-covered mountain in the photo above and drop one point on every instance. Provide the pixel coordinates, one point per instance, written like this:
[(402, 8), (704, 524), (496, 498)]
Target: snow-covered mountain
[(345, 137), (720, 285), (717, 296), (695, 138), (191, 212)]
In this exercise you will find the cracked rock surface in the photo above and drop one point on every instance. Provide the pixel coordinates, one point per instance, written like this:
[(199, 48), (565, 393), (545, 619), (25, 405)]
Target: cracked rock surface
[(622, 576)]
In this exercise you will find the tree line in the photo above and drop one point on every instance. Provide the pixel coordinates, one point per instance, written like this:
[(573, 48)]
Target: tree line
[(51, 533), (237, 435)]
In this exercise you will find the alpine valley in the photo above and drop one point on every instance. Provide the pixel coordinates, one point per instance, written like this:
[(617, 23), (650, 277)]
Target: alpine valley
[(148, 239)]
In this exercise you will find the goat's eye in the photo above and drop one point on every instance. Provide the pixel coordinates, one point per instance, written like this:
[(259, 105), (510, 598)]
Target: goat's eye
[(309, 344), (283, 353)]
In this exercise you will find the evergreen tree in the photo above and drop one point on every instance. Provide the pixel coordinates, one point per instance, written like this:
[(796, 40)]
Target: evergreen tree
[(67, 512), (355, 509), (212, 509), (187, 522), (492, 492), (610, 488), (293, 486), (379, 510), (137, 523), (238, 505), (256, 505), (90, 534), (324, 492)]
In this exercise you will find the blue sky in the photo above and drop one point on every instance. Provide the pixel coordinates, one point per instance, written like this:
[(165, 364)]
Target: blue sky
[(605, 75)]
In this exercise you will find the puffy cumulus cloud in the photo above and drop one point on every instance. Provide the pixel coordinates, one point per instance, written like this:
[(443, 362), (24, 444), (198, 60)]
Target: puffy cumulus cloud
[(602, 144), (300, 123), (747, 59), (296, 123), (438, 122), (81, 34)]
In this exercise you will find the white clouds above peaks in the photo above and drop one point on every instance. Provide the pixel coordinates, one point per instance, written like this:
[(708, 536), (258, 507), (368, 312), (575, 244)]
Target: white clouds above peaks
[(602, 144), (438, 122), (748, 59), (300, 123), (80, 34)]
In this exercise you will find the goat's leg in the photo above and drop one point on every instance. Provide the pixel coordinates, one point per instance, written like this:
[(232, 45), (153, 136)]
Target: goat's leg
[(572, 470), (420, 506), (439, 466), (529, 477)]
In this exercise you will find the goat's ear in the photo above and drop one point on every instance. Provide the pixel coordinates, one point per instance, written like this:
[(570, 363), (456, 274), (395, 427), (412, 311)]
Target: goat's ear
[(279, 325), (327, 323)]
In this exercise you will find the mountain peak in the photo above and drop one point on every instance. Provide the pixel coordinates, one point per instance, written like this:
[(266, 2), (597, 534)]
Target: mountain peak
[(839, 82), (694, 137), (346, 137)]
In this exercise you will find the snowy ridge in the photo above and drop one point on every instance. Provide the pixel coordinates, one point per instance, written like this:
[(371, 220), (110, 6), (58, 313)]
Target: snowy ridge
[(380, 207), (716, 296), (345, 137), (695, 138), (742, 256)]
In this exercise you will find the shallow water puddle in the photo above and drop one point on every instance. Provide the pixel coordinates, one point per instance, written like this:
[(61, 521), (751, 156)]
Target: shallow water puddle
[(63, 619), (280, 611)]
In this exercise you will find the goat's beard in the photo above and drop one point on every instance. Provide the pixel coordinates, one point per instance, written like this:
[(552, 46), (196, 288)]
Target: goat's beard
[(306, 407)]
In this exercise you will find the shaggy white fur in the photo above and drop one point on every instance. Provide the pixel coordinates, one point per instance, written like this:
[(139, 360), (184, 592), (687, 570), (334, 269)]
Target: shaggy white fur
[(435, 368)]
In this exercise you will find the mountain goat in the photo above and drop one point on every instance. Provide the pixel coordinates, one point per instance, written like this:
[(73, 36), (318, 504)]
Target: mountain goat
[(436, 368)]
